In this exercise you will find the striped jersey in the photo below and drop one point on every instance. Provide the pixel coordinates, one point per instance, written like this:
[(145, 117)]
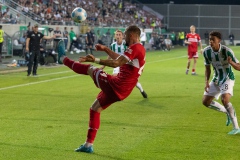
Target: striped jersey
[(119, 49), (218, 60)]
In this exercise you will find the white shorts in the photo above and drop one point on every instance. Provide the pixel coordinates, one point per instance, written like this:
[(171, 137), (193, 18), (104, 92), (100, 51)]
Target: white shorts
[(116, 70), (216, 91)]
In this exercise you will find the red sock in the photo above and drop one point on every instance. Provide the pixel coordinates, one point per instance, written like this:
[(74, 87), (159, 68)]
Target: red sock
[(193, 70), (76, 67), (94, 124)]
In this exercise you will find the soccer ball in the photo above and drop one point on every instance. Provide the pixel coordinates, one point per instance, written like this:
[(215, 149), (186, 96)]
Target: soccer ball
[(79, 15)]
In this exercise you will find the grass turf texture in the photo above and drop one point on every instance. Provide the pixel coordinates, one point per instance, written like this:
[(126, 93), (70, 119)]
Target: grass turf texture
[(46, 117)]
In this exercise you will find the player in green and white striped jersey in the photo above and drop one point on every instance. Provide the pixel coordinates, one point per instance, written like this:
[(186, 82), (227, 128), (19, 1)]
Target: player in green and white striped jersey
[(222, 60), (120, 47)]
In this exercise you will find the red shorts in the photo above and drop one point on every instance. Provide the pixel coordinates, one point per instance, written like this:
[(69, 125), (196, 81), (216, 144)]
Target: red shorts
[(192, 55), (107, 96)]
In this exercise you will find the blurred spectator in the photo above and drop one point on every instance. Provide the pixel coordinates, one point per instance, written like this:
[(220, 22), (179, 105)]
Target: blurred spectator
[(65, 35), (181, 36), (89, 41), (71, 35), (168, 43), (100, 4), (22, 40), (103, 12), (231, 39), (143, 37), (57, 33), (206, 36), (161, 44)]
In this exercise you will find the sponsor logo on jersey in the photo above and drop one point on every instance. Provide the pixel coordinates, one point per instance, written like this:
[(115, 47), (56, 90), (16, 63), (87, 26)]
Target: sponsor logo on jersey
[(129, 51)]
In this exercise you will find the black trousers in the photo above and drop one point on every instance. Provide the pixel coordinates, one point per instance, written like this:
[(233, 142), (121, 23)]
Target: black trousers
[(33, 62)]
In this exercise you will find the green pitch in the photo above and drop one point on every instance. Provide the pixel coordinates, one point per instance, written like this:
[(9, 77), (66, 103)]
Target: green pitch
[(46, 117)]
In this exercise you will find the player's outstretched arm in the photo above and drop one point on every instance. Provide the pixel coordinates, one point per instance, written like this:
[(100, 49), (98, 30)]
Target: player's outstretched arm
[(111, 54), (233, 64), (87, 58), (121, 60)]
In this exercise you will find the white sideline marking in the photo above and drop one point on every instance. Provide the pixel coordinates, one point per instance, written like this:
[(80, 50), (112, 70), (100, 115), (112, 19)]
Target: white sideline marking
[(27, 84), (42, 75)]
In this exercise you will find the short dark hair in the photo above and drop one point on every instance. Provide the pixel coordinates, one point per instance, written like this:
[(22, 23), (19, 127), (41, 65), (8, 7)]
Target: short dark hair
[(134, 29), (216, 34)]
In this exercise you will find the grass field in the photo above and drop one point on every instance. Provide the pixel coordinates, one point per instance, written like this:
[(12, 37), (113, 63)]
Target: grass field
[(46, 117)]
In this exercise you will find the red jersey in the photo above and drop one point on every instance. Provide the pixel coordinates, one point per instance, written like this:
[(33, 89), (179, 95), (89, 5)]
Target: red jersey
[(127, 78), (194, 39)]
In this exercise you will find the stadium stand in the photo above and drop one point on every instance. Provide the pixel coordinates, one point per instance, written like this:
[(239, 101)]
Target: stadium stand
[(104, 13)]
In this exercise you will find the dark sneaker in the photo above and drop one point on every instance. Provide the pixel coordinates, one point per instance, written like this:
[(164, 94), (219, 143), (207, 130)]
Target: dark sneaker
[(82, 148), (187, 71), (144, 94), (28, 75)]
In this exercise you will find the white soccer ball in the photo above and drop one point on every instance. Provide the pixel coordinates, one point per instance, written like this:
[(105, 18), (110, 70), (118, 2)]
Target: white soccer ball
[(79, 15)]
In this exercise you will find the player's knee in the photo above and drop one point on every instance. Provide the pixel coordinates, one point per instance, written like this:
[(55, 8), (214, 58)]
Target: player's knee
[(225, 99), (206, 102), (225, 102), (96, 106)]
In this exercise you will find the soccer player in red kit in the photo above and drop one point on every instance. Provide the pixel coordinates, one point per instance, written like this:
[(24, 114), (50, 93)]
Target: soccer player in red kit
[(192, 40), (113, 88)]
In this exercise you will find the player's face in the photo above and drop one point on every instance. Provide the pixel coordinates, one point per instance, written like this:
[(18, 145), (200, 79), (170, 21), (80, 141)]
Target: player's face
[(192, 29), (119, 36), (214, 42)]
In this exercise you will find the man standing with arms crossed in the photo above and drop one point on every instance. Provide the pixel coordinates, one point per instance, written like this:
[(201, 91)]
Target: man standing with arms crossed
[(113, 88), (192, 40), (89, 41)]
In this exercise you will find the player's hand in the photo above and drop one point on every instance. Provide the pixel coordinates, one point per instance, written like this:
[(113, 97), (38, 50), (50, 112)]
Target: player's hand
[(27, 49), (207, 87), (102, 67), (100, 47), (87, 58), (201, 51)]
